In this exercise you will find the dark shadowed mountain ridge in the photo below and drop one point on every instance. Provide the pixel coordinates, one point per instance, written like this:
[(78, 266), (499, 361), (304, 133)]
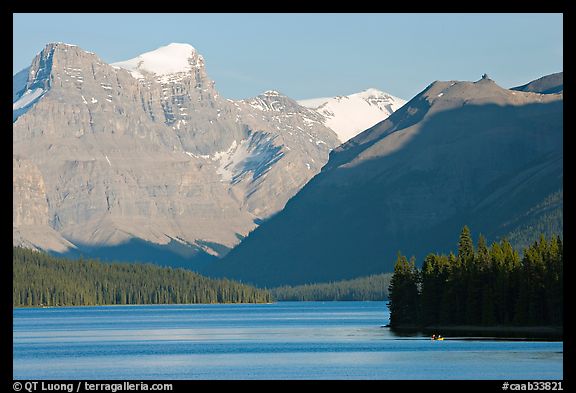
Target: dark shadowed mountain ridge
[(459, 153)]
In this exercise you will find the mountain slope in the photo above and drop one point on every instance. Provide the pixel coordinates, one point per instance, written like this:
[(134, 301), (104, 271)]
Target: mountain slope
[(145, 154), (549, 84), (458, 153), (352, 114)]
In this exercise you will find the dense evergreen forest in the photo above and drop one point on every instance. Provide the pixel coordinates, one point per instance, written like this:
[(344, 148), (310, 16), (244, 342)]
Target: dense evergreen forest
[(42, 280), (482, 286), (373, 287)]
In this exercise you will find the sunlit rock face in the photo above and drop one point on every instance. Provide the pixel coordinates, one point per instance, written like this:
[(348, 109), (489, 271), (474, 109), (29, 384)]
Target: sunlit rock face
[(147, 149)]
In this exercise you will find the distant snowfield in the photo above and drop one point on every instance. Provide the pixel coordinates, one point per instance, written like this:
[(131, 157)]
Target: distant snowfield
[(349, 115)]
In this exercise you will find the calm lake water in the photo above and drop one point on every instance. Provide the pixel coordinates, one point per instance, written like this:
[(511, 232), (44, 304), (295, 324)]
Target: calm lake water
[(287, 340)]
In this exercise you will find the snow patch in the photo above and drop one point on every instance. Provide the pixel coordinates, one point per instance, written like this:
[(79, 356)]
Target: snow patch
[(260, 104), (254, 155), (28, 98), (313, 103), (204, 156), (218, 155), (65, 44)]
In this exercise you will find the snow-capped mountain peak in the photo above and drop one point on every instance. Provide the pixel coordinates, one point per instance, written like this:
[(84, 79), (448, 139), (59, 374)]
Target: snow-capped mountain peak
[(163, 62), (349, 115)]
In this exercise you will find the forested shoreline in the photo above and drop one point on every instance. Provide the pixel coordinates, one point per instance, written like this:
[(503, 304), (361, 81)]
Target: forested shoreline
[(40, 279), (370, 288), (480, 286), (43, 280)]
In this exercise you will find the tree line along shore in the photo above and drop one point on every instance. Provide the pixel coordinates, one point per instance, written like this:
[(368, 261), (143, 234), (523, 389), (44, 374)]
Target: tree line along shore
[(42, 280)]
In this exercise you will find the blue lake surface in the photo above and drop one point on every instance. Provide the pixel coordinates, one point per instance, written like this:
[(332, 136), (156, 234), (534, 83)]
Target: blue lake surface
[(286, 340)]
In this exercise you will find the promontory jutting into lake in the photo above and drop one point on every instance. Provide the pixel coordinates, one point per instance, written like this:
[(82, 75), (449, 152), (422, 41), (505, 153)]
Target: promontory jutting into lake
[(164, 231)]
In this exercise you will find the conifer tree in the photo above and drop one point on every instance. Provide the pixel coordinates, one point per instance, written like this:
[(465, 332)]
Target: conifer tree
[(403, 292), (432, 286), (486, 282), (465, 248)]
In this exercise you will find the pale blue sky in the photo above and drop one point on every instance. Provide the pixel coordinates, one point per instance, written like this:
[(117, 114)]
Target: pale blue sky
[(318, 55)]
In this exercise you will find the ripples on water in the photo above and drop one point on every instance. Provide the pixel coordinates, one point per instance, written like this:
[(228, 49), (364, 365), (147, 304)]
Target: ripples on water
[(287, 340)]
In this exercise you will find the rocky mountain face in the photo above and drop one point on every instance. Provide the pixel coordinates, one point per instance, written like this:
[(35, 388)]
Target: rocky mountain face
[(146, 154), (459, 153), (350, 115)]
